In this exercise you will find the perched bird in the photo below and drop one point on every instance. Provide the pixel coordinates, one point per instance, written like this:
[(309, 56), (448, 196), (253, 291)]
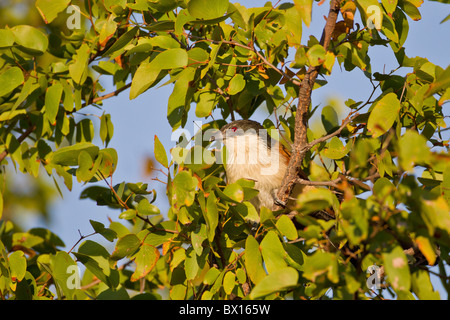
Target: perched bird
[(252, 154)]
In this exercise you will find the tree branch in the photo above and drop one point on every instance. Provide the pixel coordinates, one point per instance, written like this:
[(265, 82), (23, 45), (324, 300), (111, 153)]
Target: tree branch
[(331, 135), (301, 118), (20, 140), (104, 97)]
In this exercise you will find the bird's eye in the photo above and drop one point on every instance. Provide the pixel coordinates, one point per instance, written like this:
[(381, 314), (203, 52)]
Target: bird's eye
[(234, 129)]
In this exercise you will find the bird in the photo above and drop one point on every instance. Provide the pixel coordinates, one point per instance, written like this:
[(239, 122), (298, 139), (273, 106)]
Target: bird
[(253, 155)]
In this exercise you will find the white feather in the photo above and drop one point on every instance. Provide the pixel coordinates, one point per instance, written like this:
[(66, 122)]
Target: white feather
[(249, 157)]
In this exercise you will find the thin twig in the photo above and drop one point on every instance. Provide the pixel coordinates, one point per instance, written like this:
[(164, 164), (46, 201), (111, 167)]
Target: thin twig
[(104, 97), (81, 239), (331, 135), (20, 139)]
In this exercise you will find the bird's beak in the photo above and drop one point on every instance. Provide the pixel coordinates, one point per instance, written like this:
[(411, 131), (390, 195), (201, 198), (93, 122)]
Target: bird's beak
[(216, 136)]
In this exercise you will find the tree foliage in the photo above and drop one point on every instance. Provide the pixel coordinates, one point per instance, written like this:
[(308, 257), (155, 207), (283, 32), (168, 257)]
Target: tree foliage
[(382, 173)]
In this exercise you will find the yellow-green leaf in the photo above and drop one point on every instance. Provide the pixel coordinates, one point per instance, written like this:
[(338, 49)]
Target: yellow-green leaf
[(383, 115), (277, 281), (49, 9), (253, 260), (160, 153), (52, 100), (304, 8), (10, 79)]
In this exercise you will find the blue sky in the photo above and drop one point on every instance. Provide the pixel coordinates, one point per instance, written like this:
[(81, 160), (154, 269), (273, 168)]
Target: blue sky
[(137, 121)]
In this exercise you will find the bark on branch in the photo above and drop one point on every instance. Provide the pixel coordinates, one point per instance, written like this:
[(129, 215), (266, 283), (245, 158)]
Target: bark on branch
[(301, 118)]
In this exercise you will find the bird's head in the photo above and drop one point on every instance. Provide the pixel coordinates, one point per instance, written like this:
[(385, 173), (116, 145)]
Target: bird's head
[(240, 128)]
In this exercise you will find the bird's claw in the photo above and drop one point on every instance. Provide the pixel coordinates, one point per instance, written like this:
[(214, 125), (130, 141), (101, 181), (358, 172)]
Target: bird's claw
[(280, 202)]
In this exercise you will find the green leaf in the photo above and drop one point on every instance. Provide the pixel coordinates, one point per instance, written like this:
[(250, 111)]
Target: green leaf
[(85, 164), (26, 239), (183, 190), (108, 165), (145, 208), (106, 128), (17, 265), (422, 287), (321, 264), (113, 5), (191, 264), (426, 247), (445, 186), (145, 260), (128, 214), (197, 238), (273, 252), (205, 9), (6, 38), (180, 98), (163, 5), (65, 274), (211, 215), (122, 41), (287, 227), (211, 276), (315, 200), (206, 103), (68, 156), (413, 150), (160, 153), (253, 260), (411, 8), (441, 82), (237, 84), (248, 211), (330, 119), (304, 8), (31, 40), (9, 80), (198, 158), (397, 269), (198, 56), (402, 28), (389, 5), (79, 69), (335, 149), (316, 55), (229, 282), (52, 100), (277, 281), (1, 205), (355, 221), (160, 235), (384, 190), (295, 256), (147, 72), (179, 255), (434, 211), (96, 258), (235, 192), (107, 30), (383, 115), (100, 228), (388, 28), (49, 9), (126, 246)]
